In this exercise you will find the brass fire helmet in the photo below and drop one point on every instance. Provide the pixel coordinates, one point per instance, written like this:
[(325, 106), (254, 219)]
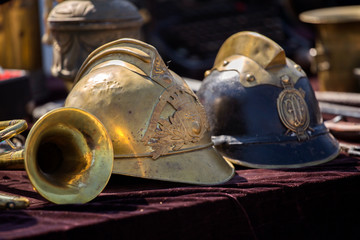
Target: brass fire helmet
[(158, 128), (261, 107)]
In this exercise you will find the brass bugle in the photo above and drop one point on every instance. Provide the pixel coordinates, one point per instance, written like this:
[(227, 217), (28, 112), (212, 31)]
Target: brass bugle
[(68, 154), (9, 129)]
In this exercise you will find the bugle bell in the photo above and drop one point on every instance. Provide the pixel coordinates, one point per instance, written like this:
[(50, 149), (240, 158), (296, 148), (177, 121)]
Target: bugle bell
[(68, 155)]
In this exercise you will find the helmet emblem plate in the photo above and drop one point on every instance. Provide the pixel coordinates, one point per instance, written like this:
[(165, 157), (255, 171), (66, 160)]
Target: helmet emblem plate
[(293, 111), (186, 125)]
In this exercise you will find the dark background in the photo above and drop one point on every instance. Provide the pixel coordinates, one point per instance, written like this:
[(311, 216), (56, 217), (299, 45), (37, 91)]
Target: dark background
[(189, 33)]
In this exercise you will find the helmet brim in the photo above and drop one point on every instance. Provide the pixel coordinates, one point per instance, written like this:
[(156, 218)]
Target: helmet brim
[(291, 154), (201, 167)]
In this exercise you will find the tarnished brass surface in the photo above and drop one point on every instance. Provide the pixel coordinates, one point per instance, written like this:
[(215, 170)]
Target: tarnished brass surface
[(11, 128), (13, 202), (15, 158), (337, 46), (266, 55), (79, 27), (68, 155), (258, 62), (20, 35), (157, 125)]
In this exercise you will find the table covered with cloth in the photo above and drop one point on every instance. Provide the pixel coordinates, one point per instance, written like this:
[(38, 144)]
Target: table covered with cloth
[(319, 202)]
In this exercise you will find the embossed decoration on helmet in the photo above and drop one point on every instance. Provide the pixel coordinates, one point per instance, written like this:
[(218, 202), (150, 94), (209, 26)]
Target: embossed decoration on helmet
[(293, 111), (186, 125)]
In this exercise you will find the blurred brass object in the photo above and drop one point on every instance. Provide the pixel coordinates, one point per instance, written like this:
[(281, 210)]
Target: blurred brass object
[(20, 35), (337, 51), (79, 27), (157, 125), (47, 37), (13, 202), (68, 155)]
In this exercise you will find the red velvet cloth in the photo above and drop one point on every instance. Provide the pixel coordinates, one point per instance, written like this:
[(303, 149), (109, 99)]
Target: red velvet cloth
[(320, 202)]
